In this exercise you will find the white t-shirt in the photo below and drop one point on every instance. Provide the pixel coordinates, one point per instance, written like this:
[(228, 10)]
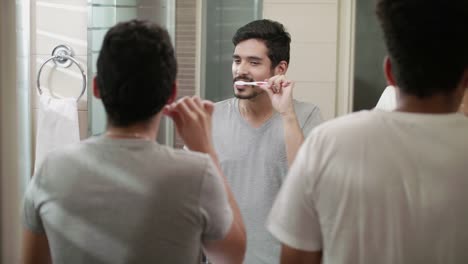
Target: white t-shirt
[(387, 100), (379, 187)]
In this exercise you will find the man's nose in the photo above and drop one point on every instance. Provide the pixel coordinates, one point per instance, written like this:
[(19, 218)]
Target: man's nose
[(242, 69)]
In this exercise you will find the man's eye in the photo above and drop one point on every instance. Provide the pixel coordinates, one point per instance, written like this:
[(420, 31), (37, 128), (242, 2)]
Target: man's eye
[(254, 62), (237, 61)]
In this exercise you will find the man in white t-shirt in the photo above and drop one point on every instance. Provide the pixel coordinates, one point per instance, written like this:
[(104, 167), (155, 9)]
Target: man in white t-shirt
[(390, 187)]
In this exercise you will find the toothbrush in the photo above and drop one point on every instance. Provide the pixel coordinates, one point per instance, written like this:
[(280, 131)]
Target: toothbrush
[(251, 83)]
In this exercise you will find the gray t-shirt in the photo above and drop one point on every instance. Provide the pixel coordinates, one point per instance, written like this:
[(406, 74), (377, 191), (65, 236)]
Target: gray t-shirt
[(255, 163), (117, 201)]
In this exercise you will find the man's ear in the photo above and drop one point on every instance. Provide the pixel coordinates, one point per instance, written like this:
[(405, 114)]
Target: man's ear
[(96, 92), (173, 96), (388, 71), (281, 68)]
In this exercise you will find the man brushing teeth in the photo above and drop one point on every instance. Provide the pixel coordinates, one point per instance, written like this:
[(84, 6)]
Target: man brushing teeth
[(258, 132)]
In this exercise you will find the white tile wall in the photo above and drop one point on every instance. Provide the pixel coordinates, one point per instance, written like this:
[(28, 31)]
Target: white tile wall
[(314, 62), (306, 22), (310, 91), (47, 40), (81, 3), (61, 22), (313, 25)]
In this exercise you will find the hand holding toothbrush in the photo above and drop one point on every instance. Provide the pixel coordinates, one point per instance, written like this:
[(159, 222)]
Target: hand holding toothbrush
[(279, 90)]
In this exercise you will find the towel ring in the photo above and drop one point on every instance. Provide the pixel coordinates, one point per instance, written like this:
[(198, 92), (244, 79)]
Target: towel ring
[(62, 56)]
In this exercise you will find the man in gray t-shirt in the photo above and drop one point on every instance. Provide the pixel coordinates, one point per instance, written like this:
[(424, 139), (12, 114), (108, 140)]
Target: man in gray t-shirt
[(101, 202), (121, 197), (257, 133)]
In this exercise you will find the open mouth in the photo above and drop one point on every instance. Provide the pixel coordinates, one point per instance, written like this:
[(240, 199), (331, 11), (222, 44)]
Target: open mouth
[(242, 87)]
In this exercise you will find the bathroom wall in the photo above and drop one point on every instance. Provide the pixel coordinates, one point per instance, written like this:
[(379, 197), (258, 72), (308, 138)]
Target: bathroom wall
[(9, 182), (313, 25), (186, 47), (14, 122), (185, 44)]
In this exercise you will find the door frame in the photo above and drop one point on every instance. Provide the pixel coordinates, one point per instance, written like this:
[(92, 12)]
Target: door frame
[(345, 57)]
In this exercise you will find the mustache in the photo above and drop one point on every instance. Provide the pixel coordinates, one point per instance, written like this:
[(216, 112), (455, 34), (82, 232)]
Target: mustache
[(243, 78)]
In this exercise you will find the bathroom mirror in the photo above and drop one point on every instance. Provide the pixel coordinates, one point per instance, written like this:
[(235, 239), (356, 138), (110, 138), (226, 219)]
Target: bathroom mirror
[(330, 58)]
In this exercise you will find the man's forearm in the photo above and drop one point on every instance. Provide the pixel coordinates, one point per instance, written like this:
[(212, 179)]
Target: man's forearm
[(35, 248), (293, 136), (291, 255)]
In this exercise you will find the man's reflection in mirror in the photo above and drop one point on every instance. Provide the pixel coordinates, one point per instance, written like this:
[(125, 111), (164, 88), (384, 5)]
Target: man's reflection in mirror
[(258, 132)]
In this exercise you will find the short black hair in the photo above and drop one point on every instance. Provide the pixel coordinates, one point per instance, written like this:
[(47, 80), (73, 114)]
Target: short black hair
[(276, 38), (136, 70), (427, 41)]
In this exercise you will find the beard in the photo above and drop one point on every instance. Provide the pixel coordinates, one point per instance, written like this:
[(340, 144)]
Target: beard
[(252, 95)]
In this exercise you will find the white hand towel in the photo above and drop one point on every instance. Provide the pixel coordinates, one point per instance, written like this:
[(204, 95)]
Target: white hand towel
[(57, 125)]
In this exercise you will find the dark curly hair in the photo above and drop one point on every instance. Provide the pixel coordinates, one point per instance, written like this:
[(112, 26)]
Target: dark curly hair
[(276, 38), (427, 41), (136, 71)]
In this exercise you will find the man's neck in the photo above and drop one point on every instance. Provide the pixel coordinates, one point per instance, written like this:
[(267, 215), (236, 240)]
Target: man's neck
[(143, 130), (437, 104), (256, 110)]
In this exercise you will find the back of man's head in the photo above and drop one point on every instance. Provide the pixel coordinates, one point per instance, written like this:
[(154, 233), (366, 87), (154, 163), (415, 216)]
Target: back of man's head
[(136, 71), (428, 43), (274, 35)]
